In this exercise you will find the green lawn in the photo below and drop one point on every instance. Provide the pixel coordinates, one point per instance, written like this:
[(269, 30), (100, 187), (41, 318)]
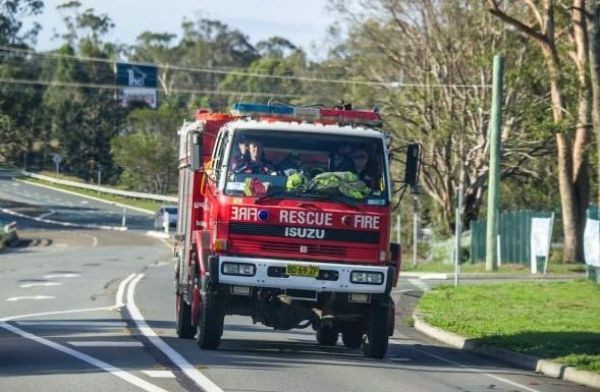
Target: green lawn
[(554, 320), (480, 267), (149, 205)]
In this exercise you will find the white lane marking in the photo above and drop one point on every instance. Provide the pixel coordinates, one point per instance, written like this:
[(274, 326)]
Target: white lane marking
[(470, 369), (29, 315), (47, 214), (115, 371), (188, 369), (83, 324), (54, 276), (421, 285), (159, 373), (61, 245), (84, 202), (119, 301), (34, 297), (401, 291), (27, 285), (106, 344)]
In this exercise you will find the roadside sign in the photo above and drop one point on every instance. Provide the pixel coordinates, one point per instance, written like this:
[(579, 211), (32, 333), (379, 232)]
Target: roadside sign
[(138, 84), (57, 159)]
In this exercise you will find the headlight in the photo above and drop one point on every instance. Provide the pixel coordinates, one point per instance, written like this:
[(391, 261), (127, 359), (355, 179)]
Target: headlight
[(364, 277), (241, 269)]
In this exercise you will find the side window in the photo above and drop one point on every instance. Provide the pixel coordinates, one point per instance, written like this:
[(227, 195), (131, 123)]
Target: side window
[(219, 153)]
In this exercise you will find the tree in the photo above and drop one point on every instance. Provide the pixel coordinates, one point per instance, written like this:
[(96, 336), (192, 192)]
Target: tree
[(19, 124), (83, 120), (594, 26), (11, 15), (433, 78), (539, 24), (147, 153)]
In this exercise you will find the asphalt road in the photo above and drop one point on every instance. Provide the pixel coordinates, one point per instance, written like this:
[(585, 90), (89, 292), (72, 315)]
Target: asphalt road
[(93, 310)]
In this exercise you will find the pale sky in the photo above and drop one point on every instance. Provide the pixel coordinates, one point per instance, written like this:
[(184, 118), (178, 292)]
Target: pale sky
[(303, 22)]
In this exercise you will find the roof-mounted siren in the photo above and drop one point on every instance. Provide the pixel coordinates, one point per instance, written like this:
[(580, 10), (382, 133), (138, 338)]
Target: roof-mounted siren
[(321, 115)]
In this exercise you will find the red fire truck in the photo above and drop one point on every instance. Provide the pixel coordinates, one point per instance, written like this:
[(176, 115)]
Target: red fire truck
[(284, 216)]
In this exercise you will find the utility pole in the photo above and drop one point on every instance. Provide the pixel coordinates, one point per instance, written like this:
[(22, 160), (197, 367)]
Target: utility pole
[(415, 227), (494, 173)]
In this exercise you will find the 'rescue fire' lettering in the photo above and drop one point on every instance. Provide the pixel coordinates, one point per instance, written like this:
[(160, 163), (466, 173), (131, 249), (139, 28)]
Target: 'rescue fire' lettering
[(306, 218), (304, 232), (366, 222), (244, 213)]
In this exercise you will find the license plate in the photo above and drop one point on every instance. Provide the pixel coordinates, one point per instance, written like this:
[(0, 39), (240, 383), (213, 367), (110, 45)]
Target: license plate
[(302, 270)]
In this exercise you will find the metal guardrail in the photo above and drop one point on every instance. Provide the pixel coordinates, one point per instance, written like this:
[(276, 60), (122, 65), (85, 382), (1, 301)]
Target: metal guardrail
[(103, 189)]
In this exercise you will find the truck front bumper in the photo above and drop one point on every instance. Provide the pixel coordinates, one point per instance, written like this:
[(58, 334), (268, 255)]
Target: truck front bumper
[(332, 277)]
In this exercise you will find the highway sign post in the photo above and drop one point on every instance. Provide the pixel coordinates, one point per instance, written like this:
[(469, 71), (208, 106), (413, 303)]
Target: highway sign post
[(57, 159)]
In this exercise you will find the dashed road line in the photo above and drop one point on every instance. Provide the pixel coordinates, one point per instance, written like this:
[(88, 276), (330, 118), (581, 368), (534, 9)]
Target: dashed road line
[(55, 276), (27, 285), (33, 297), (105, 344), (79, 324), (159, 373)]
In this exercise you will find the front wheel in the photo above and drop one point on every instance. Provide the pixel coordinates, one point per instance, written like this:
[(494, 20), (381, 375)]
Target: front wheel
[(327, 335), (183, 318), (210, 323), (375, 343), (352, 336)]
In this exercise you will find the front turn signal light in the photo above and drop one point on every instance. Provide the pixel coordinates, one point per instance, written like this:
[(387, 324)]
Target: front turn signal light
[(220, 245)]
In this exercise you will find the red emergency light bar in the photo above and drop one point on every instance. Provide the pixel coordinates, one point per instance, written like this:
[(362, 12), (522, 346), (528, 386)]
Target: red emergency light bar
[(318, 115)]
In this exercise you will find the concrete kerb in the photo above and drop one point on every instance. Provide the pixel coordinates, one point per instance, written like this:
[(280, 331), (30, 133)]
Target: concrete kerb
[(528, 362), (114, 203)]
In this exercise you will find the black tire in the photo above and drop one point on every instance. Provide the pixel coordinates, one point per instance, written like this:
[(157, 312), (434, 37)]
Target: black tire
[(212, 317), (352, 336), (327, 336), (375, 343), (183, 319)]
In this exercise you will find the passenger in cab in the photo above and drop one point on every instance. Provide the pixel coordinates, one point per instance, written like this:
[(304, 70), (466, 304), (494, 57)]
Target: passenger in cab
[(256, 162), (341, 159), (365, 168), (241, 158)]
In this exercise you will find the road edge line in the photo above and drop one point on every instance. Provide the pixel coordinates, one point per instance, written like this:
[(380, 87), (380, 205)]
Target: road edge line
[(528, 362), (177, 359)]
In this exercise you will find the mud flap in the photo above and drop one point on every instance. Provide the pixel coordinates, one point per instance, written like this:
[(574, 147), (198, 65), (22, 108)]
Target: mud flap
[(196, 305)]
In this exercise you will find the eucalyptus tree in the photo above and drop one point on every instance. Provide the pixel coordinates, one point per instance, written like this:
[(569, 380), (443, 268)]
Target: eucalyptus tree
[(427, 63)]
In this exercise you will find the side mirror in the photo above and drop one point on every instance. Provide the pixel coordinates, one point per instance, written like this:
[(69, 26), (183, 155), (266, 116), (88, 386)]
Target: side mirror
[(196, 151), (413, 165)]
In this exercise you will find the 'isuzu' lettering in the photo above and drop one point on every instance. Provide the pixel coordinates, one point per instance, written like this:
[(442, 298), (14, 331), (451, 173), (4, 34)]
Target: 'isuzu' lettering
[(305, 232), (306, 218), (244, 213)]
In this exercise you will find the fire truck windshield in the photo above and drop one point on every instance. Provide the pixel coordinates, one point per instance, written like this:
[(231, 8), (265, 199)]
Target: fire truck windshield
[(301, 165)]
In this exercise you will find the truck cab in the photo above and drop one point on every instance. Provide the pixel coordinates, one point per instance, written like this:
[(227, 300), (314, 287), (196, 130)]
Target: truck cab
[(285, 216)]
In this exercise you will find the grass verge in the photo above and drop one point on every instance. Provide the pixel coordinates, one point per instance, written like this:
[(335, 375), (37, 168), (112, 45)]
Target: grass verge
[(553, 320), (149, 205)]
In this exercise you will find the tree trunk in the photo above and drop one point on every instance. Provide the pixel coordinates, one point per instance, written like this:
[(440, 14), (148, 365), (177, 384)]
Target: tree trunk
[(594, 50), (584, 127)]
